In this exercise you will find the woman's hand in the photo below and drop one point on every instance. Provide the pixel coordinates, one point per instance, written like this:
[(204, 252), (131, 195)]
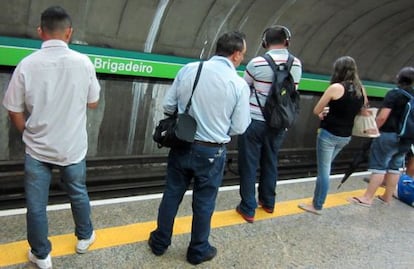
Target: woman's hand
[(324, 112), (365, 112)]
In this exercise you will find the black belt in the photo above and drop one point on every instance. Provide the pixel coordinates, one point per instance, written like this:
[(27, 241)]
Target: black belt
[(209, 144)]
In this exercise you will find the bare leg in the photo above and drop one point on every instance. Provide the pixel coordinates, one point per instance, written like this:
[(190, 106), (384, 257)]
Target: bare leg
[(310, 208), (391, 182), (410, 167), (374, 182)]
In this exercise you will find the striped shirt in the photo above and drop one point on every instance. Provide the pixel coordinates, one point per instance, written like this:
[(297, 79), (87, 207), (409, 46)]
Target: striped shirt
[(259, 76)]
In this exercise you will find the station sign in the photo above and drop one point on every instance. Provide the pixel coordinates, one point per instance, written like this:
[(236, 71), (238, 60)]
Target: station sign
[(131, 63)]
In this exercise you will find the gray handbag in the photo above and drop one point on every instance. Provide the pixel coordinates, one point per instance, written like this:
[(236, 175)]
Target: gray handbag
[(178, 130)]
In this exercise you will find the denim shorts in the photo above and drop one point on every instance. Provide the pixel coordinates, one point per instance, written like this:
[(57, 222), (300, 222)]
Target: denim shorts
[(387, 154)]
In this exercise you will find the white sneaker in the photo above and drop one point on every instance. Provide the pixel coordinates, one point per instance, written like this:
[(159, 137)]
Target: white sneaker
[(84, 244), (45, 263)]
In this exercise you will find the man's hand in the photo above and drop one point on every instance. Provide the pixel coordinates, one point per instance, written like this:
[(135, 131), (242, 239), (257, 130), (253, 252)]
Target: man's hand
[(93, 105), (18, 119)]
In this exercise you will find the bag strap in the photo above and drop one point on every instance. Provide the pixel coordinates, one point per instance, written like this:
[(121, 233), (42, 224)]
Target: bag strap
[(407, 94), (366, 101), (272, 64), (258, 102), (365, 104), (187, 108)]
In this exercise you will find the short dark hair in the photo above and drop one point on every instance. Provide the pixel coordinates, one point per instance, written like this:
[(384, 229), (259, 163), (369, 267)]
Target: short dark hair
[(229, 43), (55, 18), (276, 35), (405, 78)]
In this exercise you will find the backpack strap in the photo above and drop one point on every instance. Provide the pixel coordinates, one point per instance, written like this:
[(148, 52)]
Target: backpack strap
[(272, 64), (258, 102), (407, 94)]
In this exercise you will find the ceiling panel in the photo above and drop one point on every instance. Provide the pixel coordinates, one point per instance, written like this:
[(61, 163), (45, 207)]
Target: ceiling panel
[(377, 33)]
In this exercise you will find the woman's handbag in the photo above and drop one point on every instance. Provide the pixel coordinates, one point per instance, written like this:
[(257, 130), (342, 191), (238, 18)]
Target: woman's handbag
[(365, 124), (178, 130)]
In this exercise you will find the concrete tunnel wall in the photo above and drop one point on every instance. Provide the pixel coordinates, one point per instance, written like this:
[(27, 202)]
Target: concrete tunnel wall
[(377, 33), (123, 123)]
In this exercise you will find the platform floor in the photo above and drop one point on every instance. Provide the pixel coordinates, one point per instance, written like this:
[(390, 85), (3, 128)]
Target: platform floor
[(345, 236)]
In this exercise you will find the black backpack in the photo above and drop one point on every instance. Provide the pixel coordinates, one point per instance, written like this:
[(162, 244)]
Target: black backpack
[(282, 104)]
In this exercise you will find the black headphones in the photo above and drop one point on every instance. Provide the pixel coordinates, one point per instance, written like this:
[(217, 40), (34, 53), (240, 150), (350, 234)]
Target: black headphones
[(276, 28)]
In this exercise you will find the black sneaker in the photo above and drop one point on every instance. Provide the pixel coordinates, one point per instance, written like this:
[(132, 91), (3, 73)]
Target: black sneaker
[(157, 252), (211, 253)]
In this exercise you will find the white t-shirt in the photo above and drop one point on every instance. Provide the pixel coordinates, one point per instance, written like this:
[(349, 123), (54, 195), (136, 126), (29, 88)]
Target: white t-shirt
[(54, 85)]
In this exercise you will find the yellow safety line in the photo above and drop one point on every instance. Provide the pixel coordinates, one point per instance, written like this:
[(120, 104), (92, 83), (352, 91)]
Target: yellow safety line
[(16, 252)]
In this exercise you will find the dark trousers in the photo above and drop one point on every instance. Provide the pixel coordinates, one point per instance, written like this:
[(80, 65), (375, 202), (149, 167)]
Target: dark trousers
[(205, 165), (259, 145)]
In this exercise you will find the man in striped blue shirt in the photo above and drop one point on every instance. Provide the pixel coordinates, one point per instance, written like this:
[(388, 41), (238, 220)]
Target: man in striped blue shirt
[(220, 105), (260, 144)]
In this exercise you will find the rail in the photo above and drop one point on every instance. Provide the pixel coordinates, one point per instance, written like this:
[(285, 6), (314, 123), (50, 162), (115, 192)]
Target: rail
[(144, 174)]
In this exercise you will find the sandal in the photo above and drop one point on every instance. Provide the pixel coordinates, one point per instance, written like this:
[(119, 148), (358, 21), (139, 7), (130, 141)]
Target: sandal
[(310, 209), (357, 201)]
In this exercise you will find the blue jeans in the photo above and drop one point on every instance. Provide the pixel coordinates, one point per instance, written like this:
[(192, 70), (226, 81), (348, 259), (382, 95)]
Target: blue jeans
[(387, 154), (38, 176), (327, 147), (259, 145), (206, 165)]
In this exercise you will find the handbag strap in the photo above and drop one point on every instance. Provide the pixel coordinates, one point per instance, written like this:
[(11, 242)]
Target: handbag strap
[(366, 101), (187, 108), (365, 104)]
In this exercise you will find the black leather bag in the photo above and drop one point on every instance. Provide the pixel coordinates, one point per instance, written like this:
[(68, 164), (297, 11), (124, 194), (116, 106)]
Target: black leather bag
[(178, 130)]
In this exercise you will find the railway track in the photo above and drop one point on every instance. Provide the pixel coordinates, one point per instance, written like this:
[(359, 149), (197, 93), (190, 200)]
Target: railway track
[(138, 175)]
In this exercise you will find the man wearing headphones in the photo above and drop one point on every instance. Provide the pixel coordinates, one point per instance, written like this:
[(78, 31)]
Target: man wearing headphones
[(260, 144)]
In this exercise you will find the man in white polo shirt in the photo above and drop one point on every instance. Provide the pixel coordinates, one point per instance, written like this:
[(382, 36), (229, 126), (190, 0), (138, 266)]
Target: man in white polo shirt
[(53, 87)]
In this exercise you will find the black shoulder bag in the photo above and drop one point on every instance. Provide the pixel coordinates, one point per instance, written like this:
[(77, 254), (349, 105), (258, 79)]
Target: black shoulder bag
[(178, 130)]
